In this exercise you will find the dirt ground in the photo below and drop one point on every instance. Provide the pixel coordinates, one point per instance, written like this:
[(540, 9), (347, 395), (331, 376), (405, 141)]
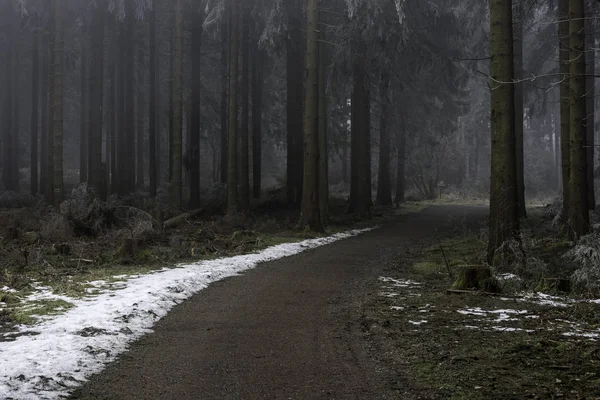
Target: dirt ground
[(439, 345)]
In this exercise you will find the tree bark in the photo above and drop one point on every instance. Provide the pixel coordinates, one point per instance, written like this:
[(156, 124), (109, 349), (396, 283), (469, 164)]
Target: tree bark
[(44, 161), (84, 114), (8, 128), (232, 183), (96, 172), (401, 166), (176, 150), (578, 210), (244, 195), (35, 96), (257, 99), (154, 122), (310, 215), (323, 132), (565, 141), (57, 93), (360, 202), (130, 97), (519, 97), (504, 213), (195, 111), (295, 90), (51, 68), (224, 157), (384, 191), (590, 122), (139, 126)]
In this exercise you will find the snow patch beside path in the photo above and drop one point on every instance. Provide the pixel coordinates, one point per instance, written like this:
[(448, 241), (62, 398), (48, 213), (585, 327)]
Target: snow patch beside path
[(59, 354)]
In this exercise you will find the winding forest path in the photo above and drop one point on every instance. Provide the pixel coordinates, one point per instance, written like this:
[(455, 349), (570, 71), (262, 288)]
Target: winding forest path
[(288, 329)]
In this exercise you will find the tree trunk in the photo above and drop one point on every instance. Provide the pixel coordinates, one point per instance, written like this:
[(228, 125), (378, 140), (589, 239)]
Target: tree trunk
[(139, 113), (176, 180), (154, 120), (400, 167), (35, 96), (565, 141), (130, 97), (44, 161), (504, 213), (323, 132), (295, 91), (57, 93), (195, 111), (225, 33), (590, 122), (311, 216), (171, 95), (10, 133), (84, 114), (96, 172), (519, 97), (120, 178), (578, 210), (244, 195), (232, 195), (257, 99), (359, 168), (384, 191), (51, 68), (113, 104)]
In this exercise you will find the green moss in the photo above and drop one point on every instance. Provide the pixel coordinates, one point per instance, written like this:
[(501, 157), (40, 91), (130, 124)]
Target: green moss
[(143, 255), (427, 267), (9, 298)]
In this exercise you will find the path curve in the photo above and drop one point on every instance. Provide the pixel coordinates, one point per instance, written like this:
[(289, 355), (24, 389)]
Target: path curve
[(286, 330)]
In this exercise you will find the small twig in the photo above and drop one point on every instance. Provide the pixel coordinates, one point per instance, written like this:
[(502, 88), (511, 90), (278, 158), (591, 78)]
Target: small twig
[(446, 260)]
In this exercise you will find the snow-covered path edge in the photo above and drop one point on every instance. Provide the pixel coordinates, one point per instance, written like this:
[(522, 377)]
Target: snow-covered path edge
[(64, 351)]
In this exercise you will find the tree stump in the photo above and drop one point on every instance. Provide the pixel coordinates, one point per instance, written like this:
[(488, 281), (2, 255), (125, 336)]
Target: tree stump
[(476, 277), (553, 285), (126, 252)]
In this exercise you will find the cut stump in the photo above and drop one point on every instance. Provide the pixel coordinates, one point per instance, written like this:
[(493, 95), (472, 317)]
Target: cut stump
[(476, 277)]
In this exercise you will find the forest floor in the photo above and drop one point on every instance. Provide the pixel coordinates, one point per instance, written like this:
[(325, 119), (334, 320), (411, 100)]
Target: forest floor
[(517, 345)]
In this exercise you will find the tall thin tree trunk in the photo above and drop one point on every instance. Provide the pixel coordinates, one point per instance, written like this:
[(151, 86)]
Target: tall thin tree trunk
[(121, 177), (171, 95), (130, 97), (323, 132), (384, 190), (244, 195), (295, 90), (578, 210), (35, 96), (257, 100), (8, 156), (140, 117), (154, 121), (590, 121), (84, 114), (565, 141), (232, 195), (311, 216), (504, 213), (195, 111), (96, 172), (225, 34), (45, 69), (519, 97), (51, 88), (114, 85), (176, 150), (57, 144), (400, 166)]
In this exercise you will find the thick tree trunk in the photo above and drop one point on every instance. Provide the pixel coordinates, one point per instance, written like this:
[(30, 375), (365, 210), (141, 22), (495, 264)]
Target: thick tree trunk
[(84, 114), (590, 122), (8, 128), (96, 172), (224, 157), (154, 120), (35, 96), (257, 99), (504, 213), (310, 215), (360, 196), (244, 195), (232, 192), (323, 133), (565, 141), (59, 46), (295, 91), (519, 97), (176, 150), (384, 190), (578, 190), (195, 111)]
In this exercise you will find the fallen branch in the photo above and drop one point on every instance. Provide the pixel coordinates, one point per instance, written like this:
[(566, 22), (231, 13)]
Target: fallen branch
[(477, 292), (182, 218)]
